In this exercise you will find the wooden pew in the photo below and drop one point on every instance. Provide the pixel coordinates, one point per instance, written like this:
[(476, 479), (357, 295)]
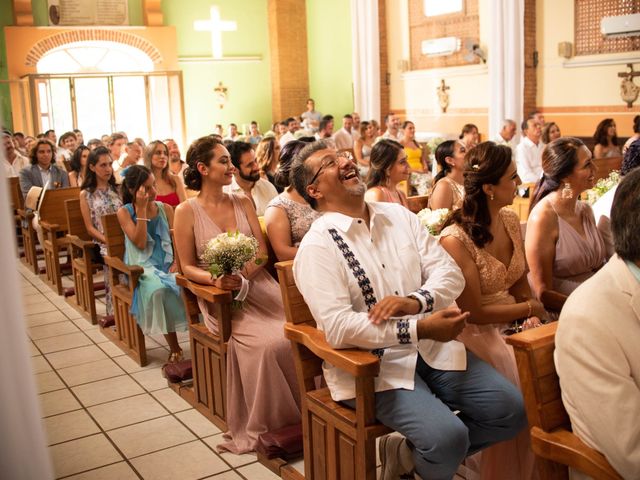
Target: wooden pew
[(17, 203), (82, 266), (553, 443), (418, 202), (127, 334), (606, 165), (339, 443), (54, 229)]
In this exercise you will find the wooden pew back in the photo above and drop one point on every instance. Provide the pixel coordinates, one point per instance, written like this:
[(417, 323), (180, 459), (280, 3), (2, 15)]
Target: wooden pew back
[(606, 165), (75, 222), (551, 437), (418, 202), (52, 208), (17, 200), (114, 236)]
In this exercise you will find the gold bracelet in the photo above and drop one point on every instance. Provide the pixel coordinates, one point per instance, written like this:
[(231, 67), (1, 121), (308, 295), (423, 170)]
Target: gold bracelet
[(144, 219), (530, 308)]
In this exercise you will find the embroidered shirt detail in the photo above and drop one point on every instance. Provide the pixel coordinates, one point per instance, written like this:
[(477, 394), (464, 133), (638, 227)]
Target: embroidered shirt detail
[(404, 336)]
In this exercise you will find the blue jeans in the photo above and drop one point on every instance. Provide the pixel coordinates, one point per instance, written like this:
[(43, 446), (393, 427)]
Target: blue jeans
[(491, 410)]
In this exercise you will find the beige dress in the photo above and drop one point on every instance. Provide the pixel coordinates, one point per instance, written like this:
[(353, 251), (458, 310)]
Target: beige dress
[(457, 191), (262, 390), (513, 459)]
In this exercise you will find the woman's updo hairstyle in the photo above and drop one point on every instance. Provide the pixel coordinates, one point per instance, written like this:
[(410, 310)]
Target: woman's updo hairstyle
[(287, 154), (559, 158), (200, 151), (383, 155), (485, 164), (444, 150), (134, 177)]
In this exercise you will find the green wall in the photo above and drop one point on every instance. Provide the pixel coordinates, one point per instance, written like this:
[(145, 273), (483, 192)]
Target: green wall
[(6, 18), (329, 44), (248, 83)]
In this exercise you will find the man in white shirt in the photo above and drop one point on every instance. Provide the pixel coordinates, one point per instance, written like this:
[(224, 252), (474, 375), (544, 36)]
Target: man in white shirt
[(292, 127), (529, 152), (355, 131), (343, 138), (374, 279), (233, 133), (507, 132), (133, 156), (311, 118), (13, 161), (393, 132), (246, 178)]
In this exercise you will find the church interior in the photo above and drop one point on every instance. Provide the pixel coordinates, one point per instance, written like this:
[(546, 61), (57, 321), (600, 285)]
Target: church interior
[(117, 110)]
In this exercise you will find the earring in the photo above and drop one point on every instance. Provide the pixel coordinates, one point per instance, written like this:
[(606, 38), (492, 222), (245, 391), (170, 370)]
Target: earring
[(567, 192), (491, 197)]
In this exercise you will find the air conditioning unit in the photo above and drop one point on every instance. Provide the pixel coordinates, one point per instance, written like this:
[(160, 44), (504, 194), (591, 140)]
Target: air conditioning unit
[(621, 26), (438, 47)]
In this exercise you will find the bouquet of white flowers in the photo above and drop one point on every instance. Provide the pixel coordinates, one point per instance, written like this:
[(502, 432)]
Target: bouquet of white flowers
[(433, 220), (602, 186)]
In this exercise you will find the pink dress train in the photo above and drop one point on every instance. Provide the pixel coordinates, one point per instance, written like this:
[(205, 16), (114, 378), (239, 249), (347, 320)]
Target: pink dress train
[(512, 459), (262, 390)]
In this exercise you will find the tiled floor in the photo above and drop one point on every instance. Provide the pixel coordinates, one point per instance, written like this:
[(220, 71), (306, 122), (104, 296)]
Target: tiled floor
[(107, 418)]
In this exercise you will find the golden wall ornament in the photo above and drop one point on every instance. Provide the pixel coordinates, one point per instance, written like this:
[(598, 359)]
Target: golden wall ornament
[(629, 91)]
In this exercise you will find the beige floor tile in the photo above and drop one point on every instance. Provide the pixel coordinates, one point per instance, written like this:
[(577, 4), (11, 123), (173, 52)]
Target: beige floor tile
[(33, 299), (111, 349), (83, 454), (189, 461), (76, 356), (69, 426), (198, 423), (90, 372), (32, 349), (150, 436), (28, 291), (95, 334), (71, 313), (230, 458), (84, 324), (230, 475), (62, 342), (127, 411), (155, 358), (60, 401), (48, 382), (52, 330), (41, 307), (171, 400), (59, 302), (107, 390), (39, 363), (151, 379), (45, 318), (257, 471), (117, 471)]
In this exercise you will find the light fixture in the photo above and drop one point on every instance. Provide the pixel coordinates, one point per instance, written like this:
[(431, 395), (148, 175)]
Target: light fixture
[(438, 47)]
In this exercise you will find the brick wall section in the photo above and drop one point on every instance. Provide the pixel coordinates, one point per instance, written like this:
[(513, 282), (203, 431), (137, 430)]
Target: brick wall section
[(530, 80), (385, 91), (289, 65)]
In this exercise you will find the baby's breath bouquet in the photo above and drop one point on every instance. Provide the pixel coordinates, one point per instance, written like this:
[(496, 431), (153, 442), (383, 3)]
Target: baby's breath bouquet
[(433, 220), (227, 254), (602, 186)]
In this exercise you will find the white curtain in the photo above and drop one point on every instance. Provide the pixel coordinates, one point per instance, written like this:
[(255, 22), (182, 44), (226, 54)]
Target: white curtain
[(23, 454), (506, 63), (366, 58)]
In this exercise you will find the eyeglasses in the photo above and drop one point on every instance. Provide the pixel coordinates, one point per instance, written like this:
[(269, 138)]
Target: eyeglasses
[(330, 161)]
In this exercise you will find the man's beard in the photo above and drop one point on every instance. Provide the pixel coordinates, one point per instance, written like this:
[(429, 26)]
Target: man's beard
[(249, 178), (357, 190)]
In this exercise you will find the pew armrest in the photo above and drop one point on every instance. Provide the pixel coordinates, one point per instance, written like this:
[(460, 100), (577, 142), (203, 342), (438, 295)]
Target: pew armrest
[(50, 227), (77, 244), (358, 363), (206, 292), (117, 266), (552, 300), (564, 447)]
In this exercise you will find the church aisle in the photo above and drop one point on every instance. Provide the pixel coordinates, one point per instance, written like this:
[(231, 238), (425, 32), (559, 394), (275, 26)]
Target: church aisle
[(105, 417)]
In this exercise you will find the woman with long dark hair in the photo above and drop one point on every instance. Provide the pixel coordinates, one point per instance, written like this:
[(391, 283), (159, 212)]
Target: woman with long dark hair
[(448, 186), (146, 223), (606, 138), (169, 187), (288, 216), (98, 197), (362, 147), (484, 239), (262, 391), (469, 135), (79, 166), (389, 167), (267, 154), (563, 244)]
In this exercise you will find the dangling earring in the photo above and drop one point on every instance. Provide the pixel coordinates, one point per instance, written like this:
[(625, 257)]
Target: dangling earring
[(567, 192), (491, 197)]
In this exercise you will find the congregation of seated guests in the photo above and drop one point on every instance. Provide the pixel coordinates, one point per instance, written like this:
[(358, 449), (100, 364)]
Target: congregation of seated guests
[(331, 200)]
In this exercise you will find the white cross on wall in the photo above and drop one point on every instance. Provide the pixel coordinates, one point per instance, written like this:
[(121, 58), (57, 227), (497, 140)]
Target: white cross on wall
[(216, 26)]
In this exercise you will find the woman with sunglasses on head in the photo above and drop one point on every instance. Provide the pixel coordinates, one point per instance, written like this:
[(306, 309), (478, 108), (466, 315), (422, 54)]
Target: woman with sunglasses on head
[(389, 167), (146, 223), (262, 391), (169, 187)]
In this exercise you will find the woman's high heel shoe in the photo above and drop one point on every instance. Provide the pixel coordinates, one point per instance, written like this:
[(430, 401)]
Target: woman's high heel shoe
[(175, 357)]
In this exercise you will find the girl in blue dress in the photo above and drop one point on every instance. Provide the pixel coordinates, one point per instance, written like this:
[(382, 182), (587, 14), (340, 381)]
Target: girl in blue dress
[(156, 304)]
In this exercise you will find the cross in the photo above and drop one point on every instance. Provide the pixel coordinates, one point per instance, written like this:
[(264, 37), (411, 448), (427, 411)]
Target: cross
[(216, 26), (628, 90)]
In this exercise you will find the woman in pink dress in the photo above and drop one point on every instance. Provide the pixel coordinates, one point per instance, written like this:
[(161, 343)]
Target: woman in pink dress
[(484, 239), (169, 186), (389, 166), (262, 390)]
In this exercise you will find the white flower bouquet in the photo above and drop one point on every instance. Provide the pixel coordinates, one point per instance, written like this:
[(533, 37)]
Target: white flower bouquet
[(228, 252), (433, 220), (602, 186)]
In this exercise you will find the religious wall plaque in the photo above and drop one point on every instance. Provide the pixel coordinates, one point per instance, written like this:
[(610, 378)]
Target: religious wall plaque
[(88, 12)]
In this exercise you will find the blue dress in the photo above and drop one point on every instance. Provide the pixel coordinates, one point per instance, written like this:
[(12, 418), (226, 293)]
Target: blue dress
[(156, 300)]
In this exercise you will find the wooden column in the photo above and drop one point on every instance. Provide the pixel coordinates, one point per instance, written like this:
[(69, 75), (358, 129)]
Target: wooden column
[(22, 13), (152, 13), (385, 90), (289, 64), (530, 70)]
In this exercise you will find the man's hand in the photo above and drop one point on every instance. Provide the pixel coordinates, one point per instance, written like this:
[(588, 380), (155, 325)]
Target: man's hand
[(443, 325), (393, 306)]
